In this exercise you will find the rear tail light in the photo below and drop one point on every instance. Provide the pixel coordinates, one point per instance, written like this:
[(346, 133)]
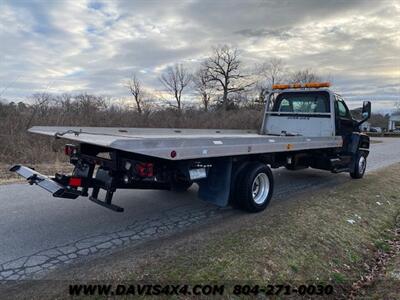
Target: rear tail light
[(145, 169), (70, 149), (75, 182)]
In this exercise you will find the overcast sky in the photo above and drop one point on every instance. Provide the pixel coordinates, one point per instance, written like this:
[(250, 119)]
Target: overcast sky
[(93, 46)]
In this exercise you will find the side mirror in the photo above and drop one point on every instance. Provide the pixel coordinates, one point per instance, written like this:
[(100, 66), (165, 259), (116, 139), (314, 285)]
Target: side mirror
[(366, 110)]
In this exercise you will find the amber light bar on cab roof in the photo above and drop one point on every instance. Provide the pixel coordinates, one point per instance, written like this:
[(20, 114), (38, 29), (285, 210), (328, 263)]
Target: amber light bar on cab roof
[(301, 85)]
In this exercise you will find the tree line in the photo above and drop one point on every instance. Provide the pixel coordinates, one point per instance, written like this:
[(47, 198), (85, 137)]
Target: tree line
[(18, 146), (221, 81)]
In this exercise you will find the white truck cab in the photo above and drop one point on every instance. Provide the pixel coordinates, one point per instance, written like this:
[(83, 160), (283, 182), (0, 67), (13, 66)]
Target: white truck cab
[(313, 111)]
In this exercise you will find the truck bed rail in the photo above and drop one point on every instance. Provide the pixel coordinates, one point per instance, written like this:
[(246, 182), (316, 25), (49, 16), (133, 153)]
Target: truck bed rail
[(176, 144)]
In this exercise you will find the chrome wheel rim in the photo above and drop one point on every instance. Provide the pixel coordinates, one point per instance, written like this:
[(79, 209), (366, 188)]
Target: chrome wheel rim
[(260, 188), (362, 163)]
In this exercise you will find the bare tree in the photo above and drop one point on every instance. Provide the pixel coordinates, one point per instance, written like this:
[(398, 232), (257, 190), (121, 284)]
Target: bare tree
[(304, 76), (136, 90), (175, 80), (203, 86), (223, 68), (40, 106), (271, 72), (66, 107), (90, 106)]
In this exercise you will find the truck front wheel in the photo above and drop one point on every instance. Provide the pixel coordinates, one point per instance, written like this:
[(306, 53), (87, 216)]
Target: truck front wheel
[(254, 187), (359, 166)]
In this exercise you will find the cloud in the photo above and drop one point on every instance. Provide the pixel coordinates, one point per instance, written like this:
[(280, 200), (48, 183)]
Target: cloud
[(94, 46)]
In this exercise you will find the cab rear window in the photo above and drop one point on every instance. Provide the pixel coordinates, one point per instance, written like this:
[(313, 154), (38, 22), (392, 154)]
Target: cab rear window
[(312, 102)]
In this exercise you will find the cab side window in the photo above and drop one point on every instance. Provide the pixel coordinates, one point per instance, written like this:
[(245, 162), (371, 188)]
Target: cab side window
[(342, 111)]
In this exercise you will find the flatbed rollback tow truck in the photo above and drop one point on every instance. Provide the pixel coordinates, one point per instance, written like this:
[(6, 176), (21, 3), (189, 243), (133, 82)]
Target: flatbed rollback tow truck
[(304, 125)]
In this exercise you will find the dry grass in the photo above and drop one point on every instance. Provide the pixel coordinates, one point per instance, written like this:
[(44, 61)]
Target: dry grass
[(387, 284), (310, 240), (384, 134), (48, 169)]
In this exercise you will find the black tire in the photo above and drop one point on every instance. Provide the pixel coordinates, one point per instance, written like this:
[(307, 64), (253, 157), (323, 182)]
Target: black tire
[(245, 184), (359, 165), (180, 186)]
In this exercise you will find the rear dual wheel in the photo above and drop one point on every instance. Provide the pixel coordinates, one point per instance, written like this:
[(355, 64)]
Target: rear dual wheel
[(254, 187)]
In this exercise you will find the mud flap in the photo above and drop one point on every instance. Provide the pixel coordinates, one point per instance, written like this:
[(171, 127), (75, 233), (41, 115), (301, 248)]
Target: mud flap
[(45, 182), (216, 187)]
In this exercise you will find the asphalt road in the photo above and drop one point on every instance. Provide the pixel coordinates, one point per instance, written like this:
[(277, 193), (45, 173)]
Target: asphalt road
[(40, 233)]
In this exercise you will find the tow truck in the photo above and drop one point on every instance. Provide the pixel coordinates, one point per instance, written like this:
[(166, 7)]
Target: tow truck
[(304, 125)]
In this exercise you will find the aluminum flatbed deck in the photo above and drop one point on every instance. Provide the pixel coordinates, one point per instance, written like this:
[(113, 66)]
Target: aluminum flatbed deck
[(187, 143)]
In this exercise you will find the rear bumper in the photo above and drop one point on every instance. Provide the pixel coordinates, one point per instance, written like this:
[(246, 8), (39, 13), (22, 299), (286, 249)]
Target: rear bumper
[(47, 183)]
